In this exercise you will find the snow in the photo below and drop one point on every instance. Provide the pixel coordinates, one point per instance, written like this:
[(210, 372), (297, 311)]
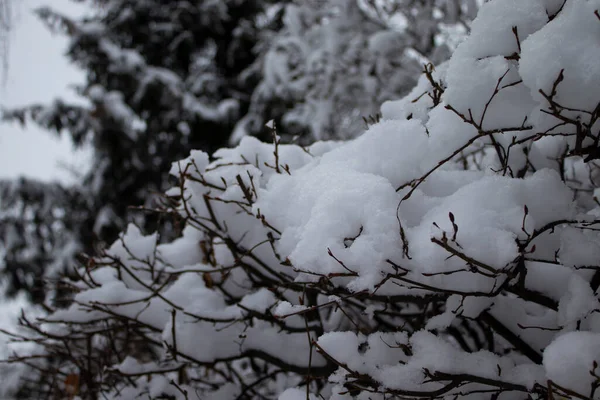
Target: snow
[(571, 358), (577, 303), (492, 30), (566, 44), (296, 394), (395, 370), (322, 210), (285, 308)]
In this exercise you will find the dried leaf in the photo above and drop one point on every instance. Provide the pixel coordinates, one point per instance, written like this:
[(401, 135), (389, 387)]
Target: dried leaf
[(72, 385)]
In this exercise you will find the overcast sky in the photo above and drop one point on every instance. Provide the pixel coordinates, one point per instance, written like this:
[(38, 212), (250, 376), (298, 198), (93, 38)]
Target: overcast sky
[(38, 72)]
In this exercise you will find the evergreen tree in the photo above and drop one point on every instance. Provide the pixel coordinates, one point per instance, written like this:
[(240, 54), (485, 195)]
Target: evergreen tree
[(163, 77)]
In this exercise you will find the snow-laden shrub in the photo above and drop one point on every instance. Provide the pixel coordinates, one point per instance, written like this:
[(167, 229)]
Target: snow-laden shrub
[(450, 251)]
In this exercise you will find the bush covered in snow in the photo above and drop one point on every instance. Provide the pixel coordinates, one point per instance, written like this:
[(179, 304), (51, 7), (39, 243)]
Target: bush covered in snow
[(450, 251)]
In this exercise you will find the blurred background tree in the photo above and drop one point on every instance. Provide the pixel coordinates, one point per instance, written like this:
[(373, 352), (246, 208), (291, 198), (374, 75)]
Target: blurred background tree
[(334, 62), (162, 78)]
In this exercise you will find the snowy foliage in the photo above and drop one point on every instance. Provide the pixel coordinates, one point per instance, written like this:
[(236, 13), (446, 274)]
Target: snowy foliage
[(335, 61), (450, 251)]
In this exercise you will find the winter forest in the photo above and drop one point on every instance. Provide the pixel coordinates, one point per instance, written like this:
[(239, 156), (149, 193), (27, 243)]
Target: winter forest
[(314, 200)]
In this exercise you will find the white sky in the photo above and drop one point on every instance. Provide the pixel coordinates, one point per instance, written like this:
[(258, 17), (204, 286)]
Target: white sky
[(38, 73)]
